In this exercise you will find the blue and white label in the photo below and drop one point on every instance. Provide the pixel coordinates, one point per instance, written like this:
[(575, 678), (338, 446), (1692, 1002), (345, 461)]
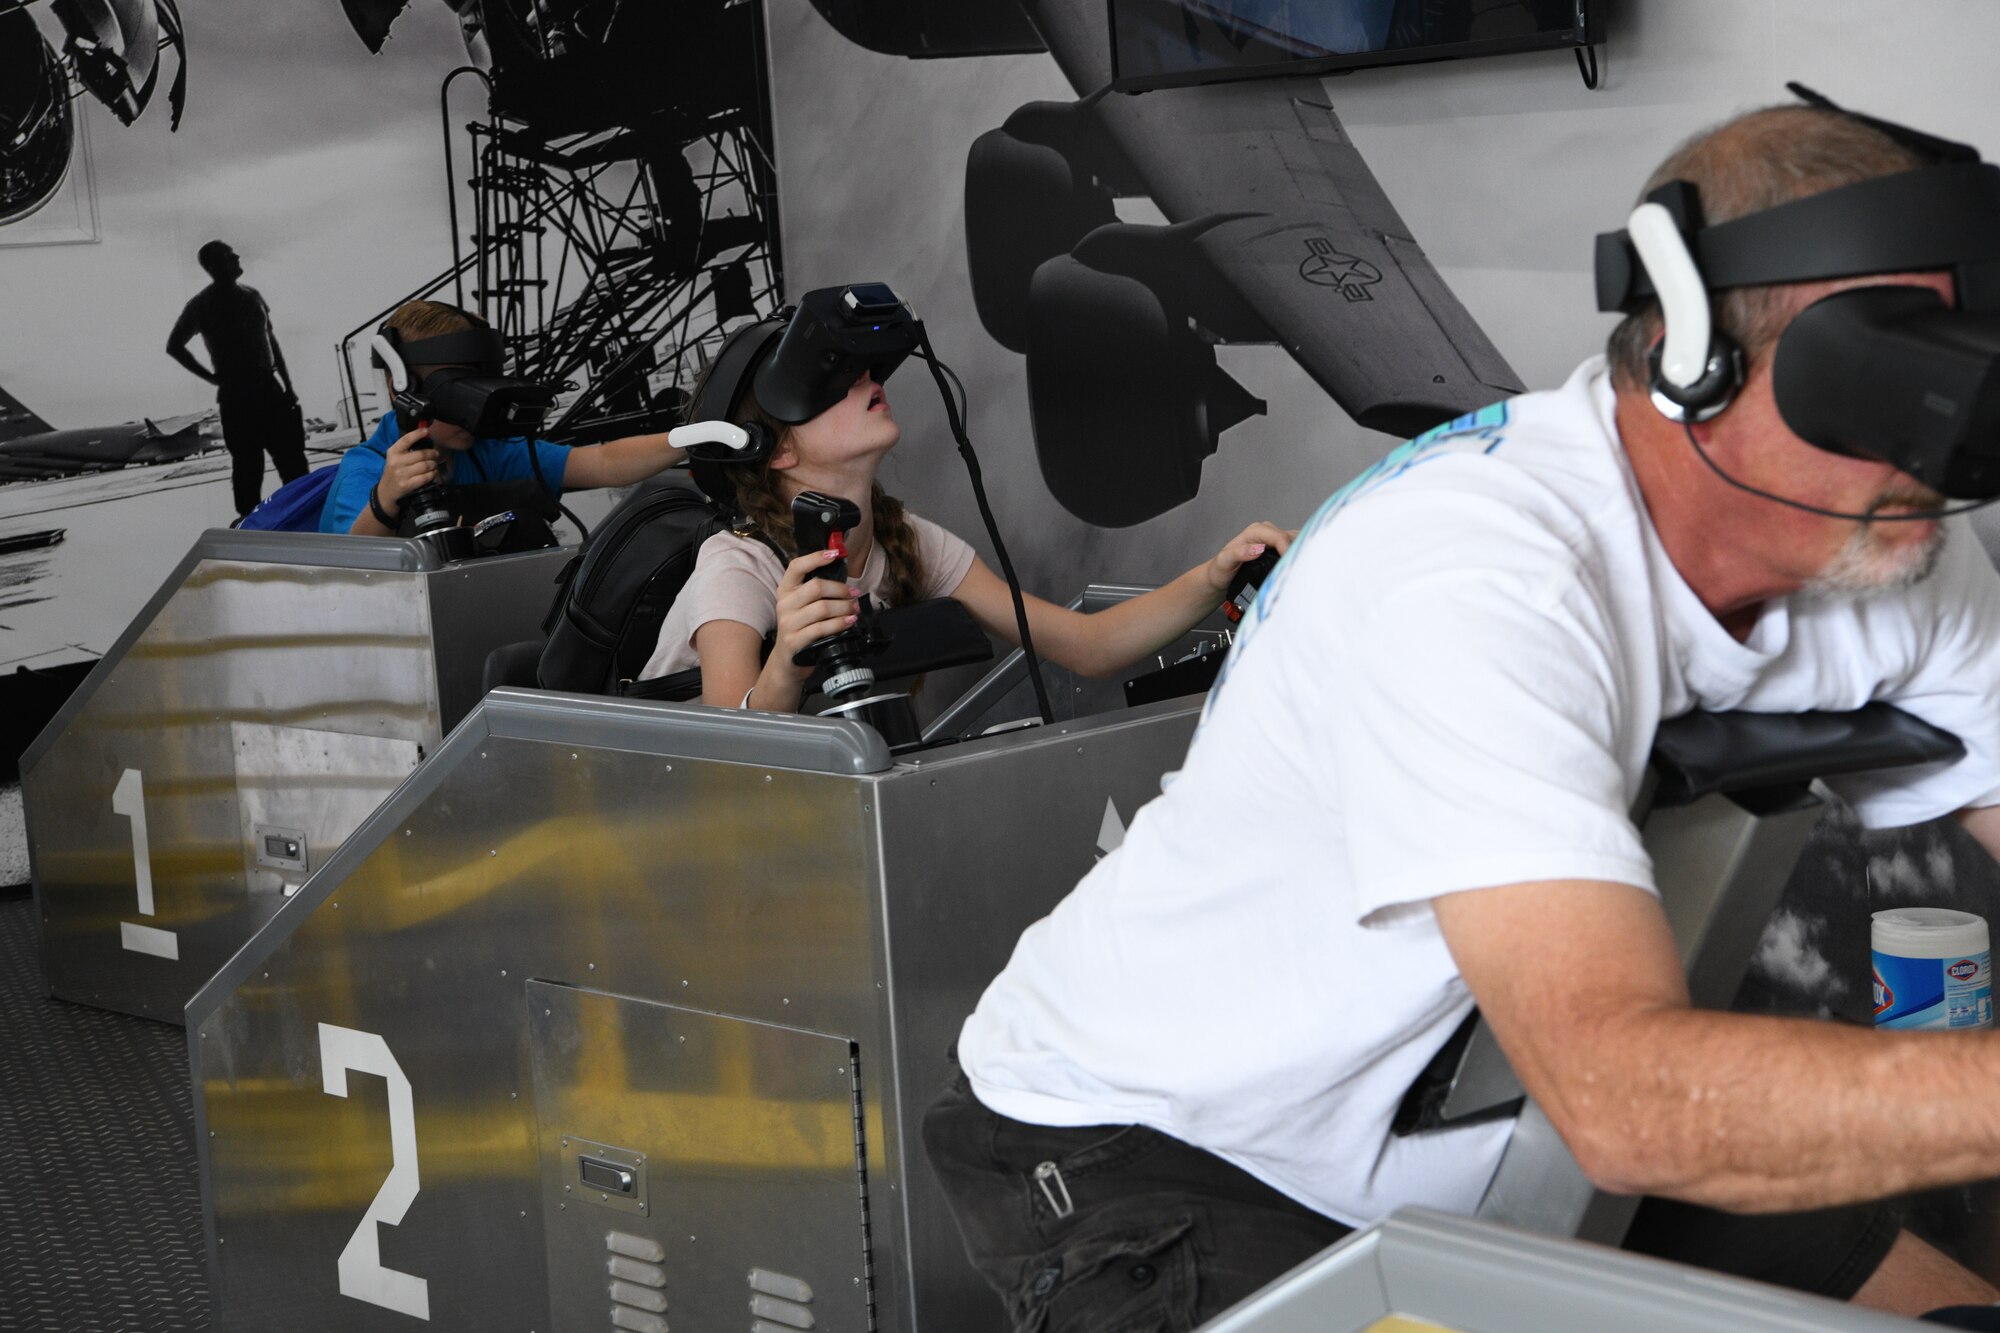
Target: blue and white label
[(1936, 993)]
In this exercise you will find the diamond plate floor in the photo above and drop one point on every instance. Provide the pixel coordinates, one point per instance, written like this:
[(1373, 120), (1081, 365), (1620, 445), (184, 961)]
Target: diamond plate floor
[(100, 1209)]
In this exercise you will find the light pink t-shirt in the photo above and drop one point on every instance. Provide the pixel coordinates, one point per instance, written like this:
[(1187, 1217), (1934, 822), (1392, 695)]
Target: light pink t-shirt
[(736, 578)]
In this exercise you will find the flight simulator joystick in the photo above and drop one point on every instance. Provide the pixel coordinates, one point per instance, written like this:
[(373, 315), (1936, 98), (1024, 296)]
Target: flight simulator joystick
[(819, 523)]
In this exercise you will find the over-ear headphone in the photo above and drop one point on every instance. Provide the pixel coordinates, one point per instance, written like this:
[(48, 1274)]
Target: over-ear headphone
[(383, 352), (1696, 370)]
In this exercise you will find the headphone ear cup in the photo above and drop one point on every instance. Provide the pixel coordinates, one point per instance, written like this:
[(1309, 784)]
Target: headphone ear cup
[(383, 352), (1721, 378)]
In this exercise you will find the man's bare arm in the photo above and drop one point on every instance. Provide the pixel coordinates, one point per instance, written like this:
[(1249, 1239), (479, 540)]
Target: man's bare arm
[(1583, 987), (1983, 823), (177, 349)]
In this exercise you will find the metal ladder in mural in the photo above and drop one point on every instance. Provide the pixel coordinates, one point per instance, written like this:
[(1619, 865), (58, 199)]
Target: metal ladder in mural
[(612, 257)]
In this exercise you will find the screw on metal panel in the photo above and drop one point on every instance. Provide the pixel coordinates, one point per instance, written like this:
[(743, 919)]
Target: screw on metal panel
[(524, 1213), (767, 777), (512, 1096), (545, 1013), (681, 1039), (605, 1197), (670, 768), (503, 971), (211, 1133), (684, 981), (788, 999), (591, 966), (1079, 749), (565, 1144), (565, 1188), (866, 808), (642, 1207), (482, 754), (336, 907), (406, 833), (572, 754), (494, 852), (562, 1207)]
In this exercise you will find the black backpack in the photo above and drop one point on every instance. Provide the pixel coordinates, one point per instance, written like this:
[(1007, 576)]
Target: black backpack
[(612, 598)]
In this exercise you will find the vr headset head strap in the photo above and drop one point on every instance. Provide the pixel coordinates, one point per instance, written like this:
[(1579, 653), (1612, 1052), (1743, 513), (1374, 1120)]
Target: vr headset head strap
[(714, 452), (1937, 217), (479, 346), (728, 381)]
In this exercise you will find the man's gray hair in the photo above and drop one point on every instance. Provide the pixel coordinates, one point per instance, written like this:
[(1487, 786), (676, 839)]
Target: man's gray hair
[(1756, 161)]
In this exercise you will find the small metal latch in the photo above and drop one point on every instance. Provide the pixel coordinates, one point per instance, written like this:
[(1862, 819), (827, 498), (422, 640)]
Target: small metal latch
[(1048, 1176), (280, 848), (602, 1175)]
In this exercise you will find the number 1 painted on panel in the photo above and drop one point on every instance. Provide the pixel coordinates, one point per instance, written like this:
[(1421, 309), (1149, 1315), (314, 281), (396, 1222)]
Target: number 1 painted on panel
[(128, 798)]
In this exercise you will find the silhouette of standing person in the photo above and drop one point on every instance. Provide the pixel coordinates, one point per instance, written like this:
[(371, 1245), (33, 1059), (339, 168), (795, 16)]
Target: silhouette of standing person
[(260, 412)]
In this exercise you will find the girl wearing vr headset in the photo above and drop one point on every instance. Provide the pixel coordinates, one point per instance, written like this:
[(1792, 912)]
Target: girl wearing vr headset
[(379, 475), (740, 590)]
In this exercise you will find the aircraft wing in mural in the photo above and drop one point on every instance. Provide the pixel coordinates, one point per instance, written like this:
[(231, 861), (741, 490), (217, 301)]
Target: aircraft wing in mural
[(1277, 232)]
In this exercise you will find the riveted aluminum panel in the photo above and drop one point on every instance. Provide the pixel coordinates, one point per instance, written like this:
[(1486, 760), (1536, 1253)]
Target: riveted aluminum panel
[(259, 652), (752, 1156)]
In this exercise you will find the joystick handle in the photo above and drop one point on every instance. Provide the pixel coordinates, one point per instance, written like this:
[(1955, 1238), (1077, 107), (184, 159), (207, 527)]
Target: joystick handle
[(1250, 575), (820, 523)]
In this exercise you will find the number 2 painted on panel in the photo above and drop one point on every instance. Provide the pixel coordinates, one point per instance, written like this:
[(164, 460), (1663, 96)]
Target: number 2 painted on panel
[(128, 798), (362, 1274)]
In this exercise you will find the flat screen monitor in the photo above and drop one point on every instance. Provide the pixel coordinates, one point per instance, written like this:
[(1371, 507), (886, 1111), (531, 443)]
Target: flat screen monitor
[(1163, 43)]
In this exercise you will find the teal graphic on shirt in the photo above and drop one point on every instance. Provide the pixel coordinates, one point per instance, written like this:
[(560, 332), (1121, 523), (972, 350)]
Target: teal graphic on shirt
[(1480, 431)]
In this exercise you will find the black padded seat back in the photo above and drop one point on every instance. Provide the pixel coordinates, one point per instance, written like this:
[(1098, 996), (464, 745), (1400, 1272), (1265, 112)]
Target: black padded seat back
[(1699, 753), (1737, 754), (511, 664)]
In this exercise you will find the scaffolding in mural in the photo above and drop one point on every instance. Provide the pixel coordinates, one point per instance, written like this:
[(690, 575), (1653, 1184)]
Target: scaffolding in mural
[(612, 246)]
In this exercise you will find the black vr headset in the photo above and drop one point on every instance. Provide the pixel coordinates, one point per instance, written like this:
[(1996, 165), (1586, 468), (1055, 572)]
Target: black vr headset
[(471, 387), (797, 364), (1891, 373)]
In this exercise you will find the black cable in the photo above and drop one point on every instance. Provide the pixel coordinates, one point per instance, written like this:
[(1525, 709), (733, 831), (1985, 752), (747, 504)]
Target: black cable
[(535, 462), (1589, 72), (938, 372), (1924, 516)]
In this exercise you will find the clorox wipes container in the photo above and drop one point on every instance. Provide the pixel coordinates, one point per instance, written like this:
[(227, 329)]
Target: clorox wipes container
[(1932, 969)]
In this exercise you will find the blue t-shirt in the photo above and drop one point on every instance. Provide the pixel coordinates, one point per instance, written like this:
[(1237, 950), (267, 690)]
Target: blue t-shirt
[(486, 461)]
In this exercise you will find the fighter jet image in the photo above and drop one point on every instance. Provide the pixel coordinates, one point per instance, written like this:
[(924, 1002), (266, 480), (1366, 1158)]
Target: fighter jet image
[(31, 449), (1277, 232)]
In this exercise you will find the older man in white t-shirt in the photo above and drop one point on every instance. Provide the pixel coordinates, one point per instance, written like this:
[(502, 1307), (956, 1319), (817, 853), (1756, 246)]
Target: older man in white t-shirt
[(1424, 751)]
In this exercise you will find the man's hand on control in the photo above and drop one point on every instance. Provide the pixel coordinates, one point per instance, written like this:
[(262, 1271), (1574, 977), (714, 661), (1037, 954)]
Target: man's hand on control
[(1241, 549), (412, 462)]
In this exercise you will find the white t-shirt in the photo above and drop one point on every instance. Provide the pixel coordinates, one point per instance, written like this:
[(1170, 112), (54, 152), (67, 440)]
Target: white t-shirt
[(736, 578), (1451, 682)]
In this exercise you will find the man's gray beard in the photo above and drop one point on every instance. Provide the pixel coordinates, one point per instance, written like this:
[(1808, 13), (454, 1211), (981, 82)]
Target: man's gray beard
[(1864, 567)]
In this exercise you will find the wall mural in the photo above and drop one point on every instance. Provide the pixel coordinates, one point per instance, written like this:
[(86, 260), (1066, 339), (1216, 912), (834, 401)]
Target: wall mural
[(628, 161), (112, 49), (1277, 232)]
